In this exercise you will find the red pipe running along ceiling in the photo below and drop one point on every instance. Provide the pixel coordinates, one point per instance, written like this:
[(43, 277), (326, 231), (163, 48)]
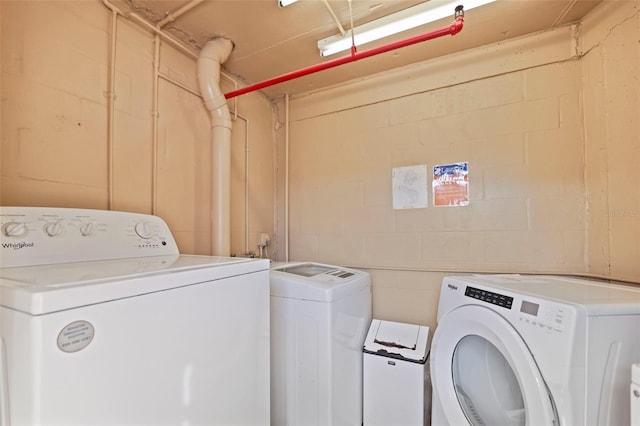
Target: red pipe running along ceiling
[(454, 28)]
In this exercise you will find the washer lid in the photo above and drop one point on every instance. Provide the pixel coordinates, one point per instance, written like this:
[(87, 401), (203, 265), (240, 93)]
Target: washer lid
[(43, 289), (316, 281), (635, 375)]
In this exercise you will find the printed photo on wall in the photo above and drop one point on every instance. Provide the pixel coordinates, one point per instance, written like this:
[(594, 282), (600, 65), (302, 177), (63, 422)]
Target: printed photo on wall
[(451, 184)]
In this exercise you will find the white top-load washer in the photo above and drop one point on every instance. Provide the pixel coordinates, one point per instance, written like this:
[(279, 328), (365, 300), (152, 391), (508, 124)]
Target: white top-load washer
[(103, 322), (533, 350), (320, 315)]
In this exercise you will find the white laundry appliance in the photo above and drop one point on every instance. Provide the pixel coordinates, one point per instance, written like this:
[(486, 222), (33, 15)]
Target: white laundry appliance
[(103, 322), (533, 350), (320, 315), (635, 395)]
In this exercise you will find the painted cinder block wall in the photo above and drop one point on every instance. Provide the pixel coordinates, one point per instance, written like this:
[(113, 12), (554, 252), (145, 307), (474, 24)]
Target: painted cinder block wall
[(54, 87), (611, 99), (549, 124)]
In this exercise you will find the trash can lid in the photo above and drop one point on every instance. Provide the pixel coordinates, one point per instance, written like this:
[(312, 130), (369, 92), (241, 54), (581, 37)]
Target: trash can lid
[(398, 340)]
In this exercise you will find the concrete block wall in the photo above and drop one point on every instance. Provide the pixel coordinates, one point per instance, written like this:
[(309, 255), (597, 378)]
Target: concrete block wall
[(548, 124), (55, 71), (611, 91), (516, 112)]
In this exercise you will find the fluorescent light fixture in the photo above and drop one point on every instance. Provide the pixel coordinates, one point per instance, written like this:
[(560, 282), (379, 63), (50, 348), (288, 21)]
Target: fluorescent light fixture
[(285, 3), (407, 19)]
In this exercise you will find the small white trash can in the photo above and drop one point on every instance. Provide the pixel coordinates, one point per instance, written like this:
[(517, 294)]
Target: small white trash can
[(396, 382)]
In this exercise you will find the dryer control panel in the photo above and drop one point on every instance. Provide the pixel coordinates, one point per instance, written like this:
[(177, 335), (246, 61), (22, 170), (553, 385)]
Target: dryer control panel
[(543, 322), (489, 297), (543, 316), (44, 235)]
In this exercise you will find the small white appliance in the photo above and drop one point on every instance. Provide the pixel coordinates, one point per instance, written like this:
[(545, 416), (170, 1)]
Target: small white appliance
[(635, 395), (533, 350), (320, 315), (103, 322), (396, 382)]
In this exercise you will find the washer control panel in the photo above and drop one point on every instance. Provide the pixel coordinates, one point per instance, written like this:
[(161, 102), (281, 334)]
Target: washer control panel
[(44, 235)]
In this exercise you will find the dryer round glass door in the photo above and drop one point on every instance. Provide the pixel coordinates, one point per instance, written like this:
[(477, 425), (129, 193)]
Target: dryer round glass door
[(484, 374), (485, 384)]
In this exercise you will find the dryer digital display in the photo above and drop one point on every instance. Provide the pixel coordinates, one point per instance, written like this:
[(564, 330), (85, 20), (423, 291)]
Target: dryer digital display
[(529, 308), (489, 297)]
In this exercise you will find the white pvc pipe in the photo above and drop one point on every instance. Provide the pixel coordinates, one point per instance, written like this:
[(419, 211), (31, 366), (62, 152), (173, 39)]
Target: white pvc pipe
[(286, 178), (111, 106), (211, 58), (172, 16), (246, 181), (154, 124)]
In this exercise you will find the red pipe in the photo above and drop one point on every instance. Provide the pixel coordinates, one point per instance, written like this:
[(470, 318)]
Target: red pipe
[(453, 29)]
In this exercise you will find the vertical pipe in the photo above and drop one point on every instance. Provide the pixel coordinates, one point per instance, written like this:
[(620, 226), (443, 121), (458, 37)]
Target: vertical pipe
[(286, 177), (212, 55), (246, 182), (111, 107), (220, 191), (154, 126)]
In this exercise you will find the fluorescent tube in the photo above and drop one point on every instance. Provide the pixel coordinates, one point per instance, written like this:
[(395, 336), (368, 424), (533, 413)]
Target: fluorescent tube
[(407, 19)]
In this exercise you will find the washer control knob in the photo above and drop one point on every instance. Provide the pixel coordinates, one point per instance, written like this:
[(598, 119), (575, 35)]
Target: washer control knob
[(143, 229), (87, 229), (53, 229), (15, 229)]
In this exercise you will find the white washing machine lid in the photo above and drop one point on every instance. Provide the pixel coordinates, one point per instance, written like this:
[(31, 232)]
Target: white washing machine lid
[(44, 289), (316, 281), (635, 373), (473, 320)]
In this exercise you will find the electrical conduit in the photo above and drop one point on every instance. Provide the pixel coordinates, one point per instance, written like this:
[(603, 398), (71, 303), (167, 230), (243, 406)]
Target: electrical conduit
[(211, 58)]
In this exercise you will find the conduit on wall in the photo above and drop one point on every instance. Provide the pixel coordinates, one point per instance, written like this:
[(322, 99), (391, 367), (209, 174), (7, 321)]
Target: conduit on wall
[(110, 95), (454, 28)]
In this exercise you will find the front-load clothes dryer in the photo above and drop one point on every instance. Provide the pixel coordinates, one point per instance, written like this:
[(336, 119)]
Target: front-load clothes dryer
[(533, 350), (320, 315)]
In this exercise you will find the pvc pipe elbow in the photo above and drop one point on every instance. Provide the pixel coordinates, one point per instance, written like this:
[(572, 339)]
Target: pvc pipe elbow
[(213, 54), (217, 50)]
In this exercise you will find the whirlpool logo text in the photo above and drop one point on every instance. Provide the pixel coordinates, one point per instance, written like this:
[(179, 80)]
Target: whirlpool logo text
[(17, 246)]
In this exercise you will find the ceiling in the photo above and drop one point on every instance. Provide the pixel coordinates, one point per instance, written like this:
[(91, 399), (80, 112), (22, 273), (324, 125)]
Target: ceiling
[(270, 41)]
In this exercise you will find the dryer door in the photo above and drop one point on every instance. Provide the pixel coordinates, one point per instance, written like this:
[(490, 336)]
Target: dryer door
[(484, 374)]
